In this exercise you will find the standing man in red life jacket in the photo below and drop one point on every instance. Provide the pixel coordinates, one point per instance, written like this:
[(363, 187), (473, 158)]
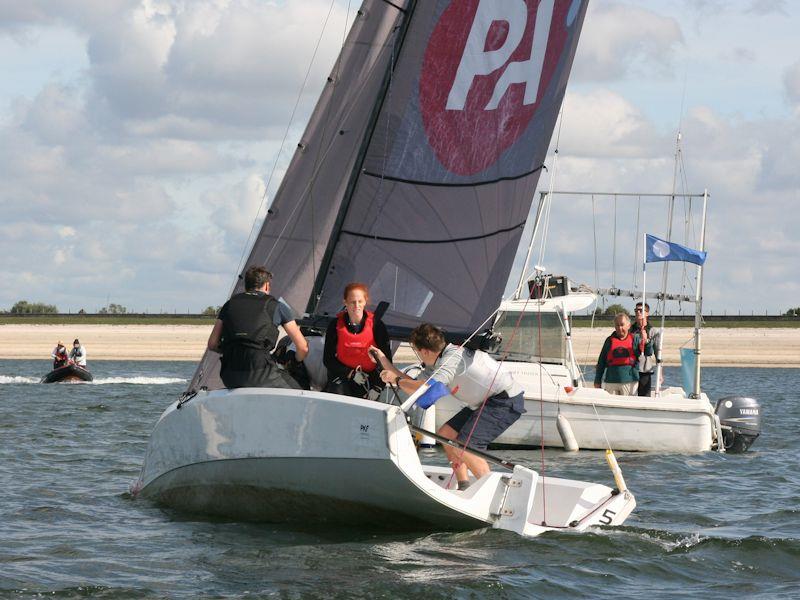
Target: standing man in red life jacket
[(351, 370), (619, 360)]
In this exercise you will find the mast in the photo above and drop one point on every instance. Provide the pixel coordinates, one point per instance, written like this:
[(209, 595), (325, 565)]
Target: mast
[(698, 307), (316, 293), (659, 368), (543, 198)]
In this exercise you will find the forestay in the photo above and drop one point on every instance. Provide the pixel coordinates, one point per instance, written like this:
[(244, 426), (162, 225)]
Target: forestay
[(417, 169)]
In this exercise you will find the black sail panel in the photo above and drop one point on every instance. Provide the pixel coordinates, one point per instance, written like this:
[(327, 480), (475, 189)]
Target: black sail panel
[(437, 212)]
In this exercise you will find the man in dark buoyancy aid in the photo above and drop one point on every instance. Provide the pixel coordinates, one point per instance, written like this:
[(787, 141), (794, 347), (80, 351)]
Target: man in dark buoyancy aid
[(246, 330)]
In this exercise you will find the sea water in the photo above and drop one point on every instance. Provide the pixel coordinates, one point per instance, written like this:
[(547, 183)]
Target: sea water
[(706, 524)]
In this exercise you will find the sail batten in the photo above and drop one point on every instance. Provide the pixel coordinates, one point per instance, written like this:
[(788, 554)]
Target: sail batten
[(454, 184), (479, 236)]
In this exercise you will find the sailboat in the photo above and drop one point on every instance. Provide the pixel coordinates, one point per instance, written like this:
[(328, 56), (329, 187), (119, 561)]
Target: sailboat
[(414, 175)]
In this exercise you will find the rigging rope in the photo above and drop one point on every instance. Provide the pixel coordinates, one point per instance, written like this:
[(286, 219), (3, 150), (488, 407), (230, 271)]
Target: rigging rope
[(247, 244), (304, 194), (636, 261), (335, 77), (614, 248)]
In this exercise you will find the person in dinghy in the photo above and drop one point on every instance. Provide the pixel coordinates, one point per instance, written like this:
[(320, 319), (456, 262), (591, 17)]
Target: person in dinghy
[(246, 331), (59, 355), (78, 354), (351, 369), (494, 401)]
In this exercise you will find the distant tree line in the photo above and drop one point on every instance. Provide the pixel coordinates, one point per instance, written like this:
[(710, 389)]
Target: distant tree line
[(23, 307), (113, 309), (793, 312), (611, 311)]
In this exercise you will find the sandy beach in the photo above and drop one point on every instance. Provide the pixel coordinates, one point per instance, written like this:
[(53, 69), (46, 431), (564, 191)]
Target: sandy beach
[(776, 347)]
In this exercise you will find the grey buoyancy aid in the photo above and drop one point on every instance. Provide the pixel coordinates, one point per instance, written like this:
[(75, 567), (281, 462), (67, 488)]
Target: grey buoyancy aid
[(247, 321), (474, 375)]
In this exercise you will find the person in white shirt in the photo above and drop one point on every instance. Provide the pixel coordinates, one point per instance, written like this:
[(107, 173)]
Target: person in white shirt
[(78, 354), (494, 401)]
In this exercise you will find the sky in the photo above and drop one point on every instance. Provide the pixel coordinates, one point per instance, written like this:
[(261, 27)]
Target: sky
[(138, 137)]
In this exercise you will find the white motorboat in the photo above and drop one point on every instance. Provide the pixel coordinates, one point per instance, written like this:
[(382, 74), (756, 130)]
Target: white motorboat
[(672, 421), (402, 155)]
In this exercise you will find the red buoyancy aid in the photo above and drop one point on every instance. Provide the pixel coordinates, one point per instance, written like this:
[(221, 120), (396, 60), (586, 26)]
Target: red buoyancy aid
[(621, 354), (352, 349)]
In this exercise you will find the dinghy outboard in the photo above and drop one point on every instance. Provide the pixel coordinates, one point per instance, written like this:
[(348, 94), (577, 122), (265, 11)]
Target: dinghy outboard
[(740, 419), (71, 373)]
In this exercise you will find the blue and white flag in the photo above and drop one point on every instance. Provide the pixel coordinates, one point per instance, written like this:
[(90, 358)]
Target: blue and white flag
[(661, 250)]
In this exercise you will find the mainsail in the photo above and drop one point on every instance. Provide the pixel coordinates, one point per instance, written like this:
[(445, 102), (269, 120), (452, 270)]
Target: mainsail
[(417, 169)]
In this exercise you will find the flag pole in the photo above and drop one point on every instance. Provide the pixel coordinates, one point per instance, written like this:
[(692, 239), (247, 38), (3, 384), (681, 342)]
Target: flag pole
[(644, 270), (644, 294), (698, 305)]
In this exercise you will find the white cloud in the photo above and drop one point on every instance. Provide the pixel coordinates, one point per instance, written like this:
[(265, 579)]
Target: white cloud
[(604, 123), (622, 40), (765, 7), (791, 83), (66, 232)]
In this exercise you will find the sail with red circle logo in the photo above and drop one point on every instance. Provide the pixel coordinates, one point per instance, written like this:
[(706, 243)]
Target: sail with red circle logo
[(451, 167), (417, 169)]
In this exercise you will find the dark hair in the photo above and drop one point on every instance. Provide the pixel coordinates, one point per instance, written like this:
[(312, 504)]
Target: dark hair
[(427, 337), (255, 277), (77, 341), (646, 306)]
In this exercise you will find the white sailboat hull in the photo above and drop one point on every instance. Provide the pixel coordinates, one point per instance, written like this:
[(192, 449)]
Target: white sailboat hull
[(309, 457), (669, 423)]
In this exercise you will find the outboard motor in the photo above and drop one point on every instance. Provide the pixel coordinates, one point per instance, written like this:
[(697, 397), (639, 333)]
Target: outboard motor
[(741, 422)]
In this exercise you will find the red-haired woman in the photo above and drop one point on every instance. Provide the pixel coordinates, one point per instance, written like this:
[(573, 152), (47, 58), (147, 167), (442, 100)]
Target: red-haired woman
[(351, 370)]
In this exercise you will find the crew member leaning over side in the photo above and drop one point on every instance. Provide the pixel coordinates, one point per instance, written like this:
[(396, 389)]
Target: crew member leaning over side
[(619, 359), (494, 401), (246, 331)]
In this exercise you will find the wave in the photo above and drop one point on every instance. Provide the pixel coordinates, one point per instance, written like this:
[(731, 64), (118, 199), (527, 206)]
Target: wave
[(142, 380), (18, 379), (677, 542)]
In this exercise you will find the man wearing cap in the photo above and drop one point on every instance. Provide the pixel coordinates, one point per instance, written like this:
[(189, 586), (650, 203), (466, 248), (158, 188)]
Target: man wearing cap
[(649, 358), (59, 355)]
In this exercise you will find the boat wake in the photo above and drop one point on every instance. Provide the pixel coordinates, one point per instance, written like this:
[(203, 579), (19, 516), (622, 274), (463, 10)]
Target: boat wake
[(138, 380), (18, 379)]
